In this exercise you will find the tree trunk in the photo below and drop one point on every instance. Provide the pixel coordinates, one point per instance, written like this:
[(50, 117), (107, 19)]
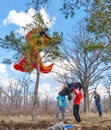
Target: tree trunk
[(35, 100), (86, 102)]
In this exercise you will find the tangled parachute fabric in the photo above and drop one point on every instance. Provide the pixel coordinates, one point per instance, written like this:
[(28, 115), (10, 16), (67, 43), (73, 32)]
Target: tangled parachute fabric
[(36, 40)]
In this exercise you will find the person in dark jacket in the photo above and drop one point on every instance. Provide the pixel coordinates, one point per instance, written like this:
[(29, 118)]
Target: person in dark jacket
[(98, 102), (76, 106)]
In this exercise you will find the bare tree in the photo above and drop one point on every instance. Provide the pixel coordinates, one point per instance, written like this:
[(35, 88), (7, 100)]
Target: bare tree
[(25, 83), (84, 64), (16, 97), (107, 84)]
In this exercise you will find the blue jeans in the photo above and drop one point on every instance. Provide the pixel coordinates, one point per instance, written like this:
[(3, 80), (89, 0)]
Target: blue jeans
[(58, 110), (98, 105)]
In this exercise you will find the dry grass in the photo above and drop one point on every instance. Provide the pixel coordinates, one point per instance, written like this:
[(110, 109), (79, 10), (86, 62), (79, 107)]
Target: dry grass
[(89, 121), (91, 118)]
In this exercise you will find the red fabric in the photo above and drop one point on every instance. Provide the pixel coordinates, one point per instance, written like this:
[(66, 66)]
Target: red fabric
[(78, 96), (34, 61), (20, 65), (23, 62)]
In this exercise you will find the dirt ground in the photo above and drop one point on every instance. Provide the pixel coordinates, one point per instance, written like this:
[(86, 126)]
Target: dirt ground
[(88, 123), (103, 125)]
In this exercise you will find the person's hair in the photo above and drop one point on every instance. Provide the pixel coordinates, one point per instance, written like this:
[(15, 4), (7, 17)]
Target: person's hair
[(63, 86), (95, 91)]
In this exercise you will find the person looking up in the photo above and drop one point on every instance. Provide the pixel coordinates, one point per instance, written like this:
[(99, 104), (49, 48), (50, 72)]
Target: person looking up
[(60, 107), (77, 99), (98, 102)]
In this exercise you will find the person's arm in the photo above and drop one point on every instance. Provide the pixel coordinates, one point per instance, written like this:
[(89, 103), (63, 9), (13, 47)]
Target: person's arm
[(94, 96), (75, 91)]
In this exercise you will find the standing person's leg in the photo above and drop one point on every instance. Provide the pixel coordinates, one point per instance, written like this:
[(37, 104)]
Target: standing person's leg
[(63, 113), (57, 114), (99, 108), (76, 113), (78, 116)]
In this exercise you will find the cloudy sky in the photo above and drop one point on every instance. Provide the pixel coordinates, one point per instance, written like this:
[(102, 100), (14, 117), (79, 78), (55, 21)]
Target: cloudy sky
[(13, 17)]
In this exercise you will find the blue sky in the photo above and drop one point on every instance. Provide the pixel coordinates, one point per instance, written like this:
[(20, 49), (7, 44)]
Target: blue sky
[(13, 17)]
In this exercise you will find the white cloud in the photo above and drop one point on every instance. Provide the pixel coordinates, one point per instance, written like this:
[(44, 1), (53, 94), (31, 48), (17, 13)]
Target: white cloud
[(5, 82), (3, 75), (101, 89), (52, 77), (19, 18), (22, 18), (59, 67), (2, 68), (47, 18), (44, 88), (52, 87)]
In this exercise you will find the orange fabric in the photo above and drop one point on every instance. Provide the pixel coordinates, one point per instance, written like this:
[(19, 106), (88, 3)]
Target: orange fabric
[(46, 69), (34, 60)]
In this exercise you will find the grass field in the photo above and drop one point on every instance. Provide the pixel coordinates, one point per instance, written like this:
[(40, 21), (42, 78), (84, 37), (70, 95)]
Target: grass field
[(89, 122)]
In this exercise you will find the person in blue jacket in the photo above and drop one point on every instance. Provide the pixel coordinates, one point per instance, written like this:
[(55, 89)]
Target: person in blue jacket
[(61, 106)]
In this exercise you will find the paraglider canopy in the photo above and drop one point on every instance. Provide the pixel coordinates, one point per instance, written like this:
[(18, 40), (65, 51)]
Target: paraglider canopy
[(36, 40)]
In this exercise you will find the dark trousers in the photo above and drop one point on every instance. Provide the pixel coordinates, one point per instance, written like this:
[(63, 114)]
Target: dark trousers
[(76, 112)]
